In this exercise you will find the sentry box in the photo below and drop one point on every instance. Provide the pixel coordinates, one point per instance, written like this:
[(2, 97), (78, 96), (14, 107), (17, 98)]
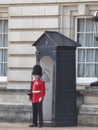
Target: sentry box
[(56, 54)]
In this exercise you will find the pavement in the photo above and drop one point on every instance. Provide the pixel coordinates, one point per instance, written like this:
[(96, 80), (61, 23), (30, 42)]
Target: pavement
[(25, 126)]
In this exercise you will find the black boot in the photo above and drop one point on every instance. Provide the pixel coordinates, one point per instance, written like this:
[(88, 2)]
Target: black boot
[(33, 125)]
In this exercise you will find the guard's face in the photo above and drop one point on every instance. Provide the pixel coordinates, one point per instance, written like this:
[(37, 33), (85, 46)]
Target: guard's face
[(36, 77)]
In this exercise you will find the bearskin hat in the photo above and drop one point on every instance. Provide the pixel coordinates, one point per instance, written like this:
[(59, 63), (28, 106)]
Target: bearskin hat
[(37, 70)]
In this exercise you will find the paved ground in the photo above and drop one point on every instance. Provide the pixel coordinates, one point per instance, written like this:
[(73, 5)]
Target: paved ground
[(17, 126)]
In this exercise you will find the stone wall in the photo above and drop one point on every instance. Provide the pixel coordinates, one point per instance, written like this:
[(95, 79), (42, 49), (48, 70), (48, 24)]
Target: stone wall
[(15, 106), (26, 24)]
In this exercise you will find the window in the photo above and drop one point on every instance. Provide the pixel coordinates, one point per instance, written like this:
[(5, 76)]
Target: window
[(3, 47), (87, 54)]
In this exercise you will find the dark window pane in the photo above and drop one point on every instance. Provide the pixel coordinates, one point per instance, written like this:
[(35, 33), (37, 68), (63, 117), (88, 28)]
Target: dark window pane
[(5, 69), (81, 70), (5, 27), (96, 55), (0, 26), (0, 40), (89, 40), (1, 56), (81, 55), (5, 40), (81, 25), (96, 70), (89, 25), (5, 55), (1, 69), (95, 43), (90, 56), (80, 39), (90, 70)]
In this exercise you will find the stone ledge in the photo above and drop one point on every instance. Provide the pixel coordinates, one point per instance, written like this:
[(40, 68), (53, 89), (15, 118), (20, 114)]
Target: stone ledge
[(14, 96), (15, 113), (88, 120), (88, 115), (89, 109), (13, 90), (15, 103)]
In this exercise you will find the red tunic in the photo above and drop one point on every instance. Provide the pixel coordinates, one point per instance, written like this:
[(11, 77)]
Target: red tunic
[(38, 90)]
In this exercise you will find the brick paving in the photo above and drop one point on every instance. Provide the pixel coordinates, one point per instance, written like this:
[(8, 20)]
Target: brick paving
[(25, 126)]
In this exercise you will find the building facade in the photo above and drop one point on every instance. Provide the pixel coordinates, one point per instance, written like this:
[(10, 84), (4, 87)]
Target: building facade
[(23, 21)]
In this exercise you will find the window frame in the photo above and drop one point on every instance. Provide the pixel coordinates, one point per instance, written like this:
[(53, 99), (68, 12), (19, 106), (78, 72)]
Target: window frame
[(82, 80), (4, 78)]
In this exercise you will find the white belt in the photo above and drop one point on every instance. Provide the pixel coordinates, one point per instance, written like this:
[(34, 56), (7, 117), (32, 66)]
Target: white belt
[(36, 91)]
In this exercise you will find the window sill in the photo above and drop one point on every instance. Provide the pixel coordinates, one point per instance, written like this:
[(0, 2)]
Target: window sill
[(85, 81), (3, 79)]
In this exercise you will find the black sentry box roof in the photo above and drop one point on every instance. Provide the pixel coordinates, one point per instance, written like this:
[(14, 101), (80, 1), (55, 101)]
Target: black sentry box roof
[(56, 39)]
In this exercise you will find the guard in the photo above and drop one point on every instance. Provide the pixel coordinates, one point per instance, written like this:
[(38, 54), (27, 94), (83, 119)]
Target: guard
[(37, 96)]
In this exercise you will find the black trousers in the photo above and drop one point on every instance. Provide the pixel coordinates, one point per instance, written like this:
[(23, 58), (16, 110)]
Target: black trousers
[(37, 113)]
